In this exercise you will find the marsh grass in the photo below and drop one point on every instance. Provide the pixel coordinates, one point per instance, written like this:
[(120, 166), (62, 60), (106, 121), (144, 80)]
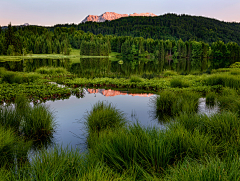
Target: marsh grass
[(51, 70), (211, 99), (19, 78), (224, 128), (229, 100), (104, 116), (169, 73), (178, 82), (12, 148), (213, 169), (149, 149), (172, 103), (225, 80), (136, 79)]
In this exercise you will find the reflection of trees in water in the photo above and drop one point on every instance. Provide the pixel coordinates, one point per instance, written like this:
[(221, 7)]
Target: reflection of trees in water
[(92, 67), (30, 65)]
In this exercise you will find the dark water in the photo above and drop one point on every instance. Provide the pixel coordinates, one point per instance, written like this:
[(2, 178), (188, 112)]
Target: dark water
[(103, 67)]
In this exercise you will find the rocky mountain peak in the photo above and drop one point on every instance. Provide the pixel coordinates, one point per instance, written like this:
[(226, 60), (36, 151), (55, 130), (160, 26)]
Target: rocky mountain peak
[(112, 16)]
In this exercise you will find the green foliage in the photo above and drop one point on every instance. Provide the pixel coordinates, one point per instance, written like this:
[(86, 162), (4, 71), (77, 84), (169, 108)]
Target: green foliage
[(235, 65)]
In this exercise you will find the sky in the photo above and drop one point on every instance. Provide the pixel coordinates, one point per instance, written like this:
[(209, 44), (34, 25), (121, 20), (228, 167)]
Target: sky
[(51, 12)]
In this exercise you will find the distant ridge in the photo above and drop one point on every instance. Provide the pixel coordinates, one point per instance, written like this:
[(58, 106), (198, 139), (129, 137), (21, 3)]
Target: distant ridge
[(112, 16)]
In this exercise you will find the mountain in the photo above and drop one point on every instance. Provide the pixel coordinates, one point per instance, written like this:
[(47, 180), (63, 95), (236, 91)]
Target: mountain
[(112, 16), (167, 26)]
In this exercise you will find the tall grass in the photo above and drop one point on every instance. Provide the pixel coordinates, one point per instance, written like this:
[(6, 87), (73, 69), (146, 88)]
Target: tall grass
[(136, 79), (211, 99), (12, 148), (104, 116), (212, 169), (172, 103), (229, 100), (17, 77), (225, 80), (223, 128), (51, 70), (150, 150), (178, 82)]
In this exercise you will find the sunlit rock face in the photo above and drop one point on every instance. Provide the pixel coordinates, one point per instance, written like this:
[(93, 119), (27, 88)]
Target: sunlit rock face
[(112, 16)]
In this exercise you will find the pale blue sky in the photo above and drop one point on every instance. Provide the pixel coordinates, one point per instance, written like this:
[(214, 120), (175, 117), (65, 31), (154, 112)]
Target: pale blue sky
[(51, 12)]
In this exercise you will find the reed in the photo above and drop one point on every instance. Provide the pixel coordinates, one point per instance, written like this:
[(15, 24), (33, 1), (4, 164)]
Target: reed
[(19, 78)]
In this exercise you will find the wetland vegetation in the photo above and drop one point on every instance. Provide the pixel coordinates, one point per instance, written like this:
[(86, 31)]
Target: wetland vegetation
[(178, 73)]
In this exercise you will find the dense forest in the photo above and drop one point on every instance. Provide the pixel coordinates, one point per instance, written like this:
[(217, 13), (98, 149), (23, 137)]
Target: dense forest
[(168, 26), (41, 40)]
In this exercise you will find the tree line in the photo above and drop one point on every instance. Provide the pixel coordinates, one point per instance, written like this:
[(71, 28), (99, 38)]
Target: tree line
[(41, 40)]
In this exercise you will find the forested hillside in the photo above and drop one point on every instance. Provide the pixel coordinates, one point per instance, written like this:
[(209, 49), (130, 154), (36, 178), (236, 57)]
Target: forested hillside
[(168, 26), (40, 40)]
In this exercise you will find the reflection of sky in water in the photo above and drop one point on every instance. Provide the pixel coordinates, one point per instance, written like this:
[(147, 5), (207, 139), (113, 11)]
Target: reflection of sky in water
[(68, 112)]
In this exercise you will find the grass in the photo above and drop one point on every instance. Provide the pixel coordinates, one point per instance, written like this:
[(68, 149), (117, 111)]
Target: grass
[(51, 70), (178, 82), (173, 103), (17, 77), (135, 79), (211, 99), (103, 116)]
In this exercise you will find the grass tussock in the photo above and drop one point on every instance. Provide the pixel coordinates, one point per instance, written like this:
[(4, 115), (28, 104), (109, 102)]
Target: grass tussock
[(225, 80), (178, 82), (211, 99), (18, 77), (104, 116), (51, 70), (136, 79), (169, 73), (172, 103)]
